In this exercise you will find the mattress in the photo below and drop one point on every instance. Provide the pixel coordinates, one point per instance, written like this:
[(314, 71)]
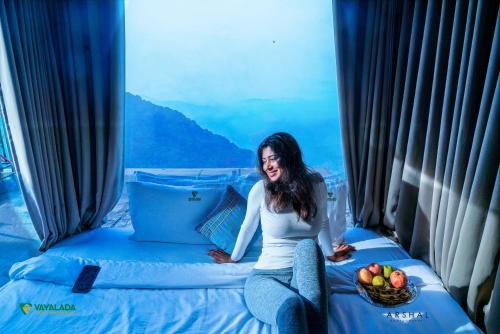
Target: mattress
[(147, 287)]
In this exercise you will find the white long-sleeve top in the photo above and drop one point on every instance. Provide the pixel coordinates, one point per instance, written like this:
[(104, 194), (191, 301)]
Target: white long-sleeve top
[(281, 231)]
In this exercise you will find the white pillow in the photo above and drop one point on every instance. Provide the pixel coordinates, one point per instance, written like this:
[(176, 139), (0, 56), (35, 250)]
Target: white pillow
[(337, 199), (170, 213)]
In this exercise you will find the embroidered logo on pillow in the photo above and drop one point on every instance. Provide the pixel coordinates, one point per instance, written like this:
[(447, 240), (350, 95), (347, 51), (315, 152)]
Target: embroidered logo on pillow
[(194, 198), (223, 223)]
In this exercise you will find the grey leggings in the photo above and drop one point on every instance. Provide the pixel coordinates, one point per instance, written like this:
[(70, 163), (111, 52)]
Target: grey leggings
[(293, 299)]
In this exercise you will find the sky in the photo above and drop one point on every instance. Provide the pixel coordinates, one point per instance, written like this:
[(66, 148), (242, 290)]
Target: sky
[(239, 68)]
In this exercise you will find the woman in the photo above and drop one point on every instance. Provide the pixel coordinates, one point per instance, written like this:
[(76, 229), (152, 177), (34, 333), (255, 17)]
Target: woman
[(287, 287)]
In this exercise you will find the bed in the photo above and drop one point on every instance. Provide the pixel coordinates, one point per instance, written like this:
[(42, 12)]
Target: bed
[(148, 287)]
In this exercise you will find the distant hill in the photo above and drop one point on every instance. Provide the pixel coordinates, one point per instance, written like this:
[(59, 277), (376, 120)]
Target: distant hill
[(160, 137)]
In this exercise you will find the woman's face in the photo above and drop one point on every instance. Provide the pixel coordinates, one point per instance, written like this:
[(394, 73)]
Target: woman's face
[(270, 164)]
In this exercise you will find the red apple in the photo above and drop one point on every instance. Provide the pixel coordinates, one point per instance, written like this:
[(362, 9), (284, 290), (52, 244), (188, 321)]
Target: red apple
[(375, 269), (364, 276), (398, 279)]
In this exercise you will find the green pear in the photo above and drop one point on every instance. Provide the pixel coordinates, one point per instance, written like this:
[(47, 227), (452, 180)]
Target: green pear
[(378, 281), (387, 271)]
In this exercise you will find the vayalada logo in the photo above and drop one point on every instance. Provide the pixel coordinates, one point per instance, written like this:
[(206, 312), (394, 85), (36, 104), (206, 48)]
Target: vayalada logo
[(47, 308), (25, 307)]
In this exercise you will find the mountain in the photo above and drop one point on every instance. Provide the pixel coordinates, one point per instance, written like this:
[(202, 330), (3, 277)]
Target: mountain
[(314, 123), (160, 137)]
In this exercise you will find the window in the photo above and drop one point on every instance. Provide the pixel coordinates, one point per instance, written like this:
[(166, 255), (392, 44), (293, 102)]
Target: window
[(16, 229), (208, 80)]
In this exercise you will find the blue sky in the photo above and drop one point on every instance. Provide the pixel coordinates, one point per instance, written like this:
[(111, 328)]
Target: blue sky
[(240, 68)]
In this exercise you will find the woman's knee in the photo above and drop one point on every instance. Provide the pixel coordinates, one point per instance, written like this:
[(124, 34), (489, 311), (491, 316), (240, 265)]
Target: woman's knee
[(307, 247)]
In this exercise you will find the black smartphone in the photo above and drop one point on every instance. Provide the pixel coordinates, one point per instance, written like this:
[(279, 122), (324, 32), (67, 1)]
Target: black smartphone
[(86, 279)]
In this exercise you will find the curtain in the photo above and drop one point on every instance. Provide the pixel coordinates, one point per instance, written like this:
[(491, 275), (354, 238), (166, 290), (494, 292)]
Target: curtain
[(62, 78), (4, 152), (419, 103)]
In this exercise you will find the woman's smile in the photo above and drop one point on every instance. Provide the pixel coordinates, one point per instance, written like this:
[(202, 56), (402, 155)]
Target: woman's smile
[(271, 164)]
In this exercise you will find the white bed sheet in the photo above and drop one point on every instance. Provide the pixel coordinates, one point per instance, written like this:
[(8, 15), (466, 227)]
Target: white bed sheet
[(145, 302), (126, 310), (143, 287), (115, 244), (433, 311)]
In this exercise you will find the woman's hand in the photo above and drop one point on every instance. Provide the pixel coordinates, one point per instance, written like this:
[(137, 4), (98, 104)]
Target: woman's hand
[(342, 252), (220, 256)]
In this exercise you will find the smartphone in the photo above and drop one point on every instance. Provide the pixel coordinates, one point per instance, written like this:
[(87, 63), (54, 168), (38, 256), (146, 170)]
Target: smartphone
[(86, 279)]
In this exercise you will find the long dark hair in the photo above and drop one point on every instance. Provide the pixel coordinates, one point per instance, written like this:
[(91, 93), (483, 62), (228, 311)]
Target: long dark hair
[(295, 187)]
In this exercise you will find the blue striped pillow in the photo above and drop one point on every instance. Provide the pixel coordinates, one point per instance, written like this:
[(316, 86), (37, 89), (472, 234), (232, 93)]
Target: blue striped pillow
[(223, 223)]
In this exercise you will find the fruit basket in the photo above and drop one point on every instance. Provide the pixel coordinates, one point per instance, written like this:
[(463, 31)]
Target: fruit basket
[(389, 296), (384, 288)]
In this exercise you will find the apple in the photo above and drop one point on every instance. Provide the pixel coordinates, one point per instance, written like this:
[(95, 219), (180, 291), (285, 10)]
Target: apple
[(375, 269), (398, 279), (364, 276), (387, 271), (378, 281)]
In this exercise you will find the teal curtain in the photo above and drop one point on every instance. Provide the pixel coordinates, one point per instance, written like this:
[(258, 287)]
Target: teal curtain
[(62, 78), (420, 114)]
